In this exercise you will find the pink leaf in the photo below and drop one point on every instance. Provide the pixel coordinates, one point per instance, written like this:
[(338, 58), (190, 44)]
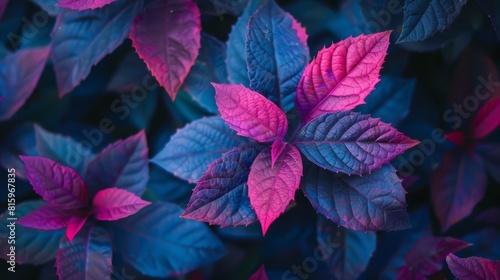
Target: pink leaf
[(260, 274), (83, 4), (301, 31), (249, 113), (276, 150), (75, 224), (341, 76), (57, 184), (47, 217), (114, 203), (167, 37), (272, 188), (487, 119), (473, 268)]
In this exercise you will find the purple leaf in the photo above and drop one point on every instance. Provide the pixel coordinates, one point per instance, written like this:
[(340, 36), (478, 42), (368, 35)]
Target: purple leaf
[(249, 113), (272, 188), (260, 274), (486, 120), (75, 224), (113, 204), (341, 76), (167, 37), (426, 257), (473, 268), (351, 143), (194, 147), (82, 38), (19, 74), (47, 217), (275, 55), (221, 195), (457, 186), (83, 4), (123, 164), (56, 184), (373, 202), (276, 150)]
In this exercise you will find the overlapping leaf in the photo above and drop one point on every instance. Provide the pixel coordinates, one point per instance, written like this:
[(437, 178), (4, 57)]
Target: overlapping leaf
[(83, 4), (473, 268), (113, 204)]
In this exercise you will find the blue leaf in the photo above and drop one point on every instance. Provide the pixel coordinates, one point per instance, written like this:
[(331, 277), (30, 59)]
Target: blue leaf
[(168, 187), (33, 246), (158, 243), (82, 38), (276, 56), (194, 147), (375, 201), (390, 101), (209, 67), (221, 194), (423, 18), (49, 6), (346, 252)]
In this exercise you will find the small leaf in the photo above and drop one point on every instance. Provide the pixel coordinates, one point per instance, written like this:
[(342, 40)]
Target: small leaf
[(486, 120), (113, 204), (473, 268), (341, 76), (351, 143), (249, 113), (167, 37), (83, 4), (47, 217), (260, 274), (57, 184), (276, 150), (75, 224), (272, 188)]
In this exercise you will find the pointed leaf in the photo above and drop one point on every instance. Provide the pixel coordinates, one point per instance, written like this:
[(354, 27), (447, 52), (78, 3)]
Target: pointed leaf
[(276, 150), (221, 195), (83, 4), (486, 120), (75, 224), (167, 37), (351, 143), (473, 268), (57, 184), (249, 113), (194, 147), (47, 217), (341, 76), (260, 274), (272, 188), (113, 204)]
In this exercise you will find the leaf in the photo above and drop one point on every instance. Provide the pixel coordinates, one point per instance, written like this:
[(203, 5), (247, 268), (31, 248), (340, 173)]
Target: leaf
[(275, 54), (260, 274), (75, 224), (457, 186), (87, 257), (63, 150), (221, 194), (346, 252), (33, 246), (19, 75), (426, 257), (341, 76), (272, 188), (423, 19), (123, 164), (194, 147), (82, 38), (159, 244), (56, 184), (473, 268), (168, 187), (167, 37), (249, 113), (83, 4), (113, 204), (373, 202), (486, 120), (209, 67), (46, 217), (276, 150), (351, 143)]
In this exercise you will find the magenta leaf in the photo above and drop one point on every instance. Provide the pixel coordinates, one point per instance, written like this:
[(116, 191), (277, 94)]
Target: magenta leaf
[(19, 74), (82, 38), (341, 76), (83, 4), (113, 204), (272, 188), (486, 120), (123, 164), (351, 143), (426, 257), (47, 217), (275, 54), (473, 268), (56, 184), (276, 150), (260, 274), (372, 202), (75, 224), (167, 37), (221, 195), (249, 113), (457, 186)]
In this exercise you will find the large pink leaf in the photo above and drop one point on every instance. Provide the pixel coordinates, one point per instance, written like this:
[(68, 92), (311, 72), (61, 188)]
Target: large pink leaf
[(167, 37), (75, 224), (341, 76), (47, 217), (473, 268), (271, 188), (56, 184), (83, 4), (113, 204), (249, 113), (487, 119)]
